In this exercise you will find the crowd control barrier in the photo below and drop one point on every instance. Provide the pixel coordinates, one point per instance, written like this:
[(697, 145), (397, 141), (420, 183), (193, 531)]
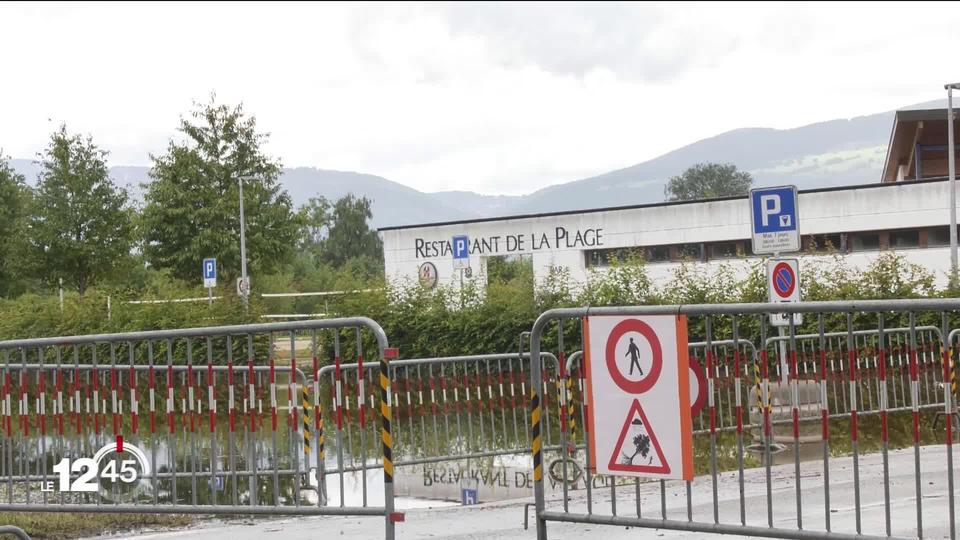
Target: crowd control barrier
[(221, 420), (869, 376)]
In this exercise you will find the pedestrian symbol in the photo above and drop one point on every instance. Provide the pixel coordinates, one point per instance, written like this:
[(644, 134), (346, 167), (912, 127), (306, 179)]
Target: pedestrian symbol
[(634, 354)]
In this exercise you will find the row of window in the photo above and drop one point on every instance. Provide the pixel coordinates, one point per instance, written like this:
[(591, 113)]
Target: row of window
[(820, 243)]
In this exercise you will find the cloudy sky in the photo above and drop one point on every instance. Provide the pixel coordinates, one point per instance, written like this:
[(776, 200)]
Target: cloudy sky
[(495, 98)]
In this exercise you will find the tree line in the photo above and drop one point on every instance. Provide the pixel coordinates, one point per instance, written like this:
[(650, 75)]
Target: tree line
[(77, 225)]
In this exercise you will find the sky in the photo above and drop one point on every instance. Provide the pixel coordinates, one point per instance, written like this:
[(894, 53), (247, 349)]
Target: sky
[(497, 98)]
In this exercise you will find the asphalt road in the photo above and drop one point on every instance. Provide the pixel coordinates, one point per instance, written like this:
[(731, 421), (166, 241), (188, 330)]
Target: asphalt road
[(504, 520)]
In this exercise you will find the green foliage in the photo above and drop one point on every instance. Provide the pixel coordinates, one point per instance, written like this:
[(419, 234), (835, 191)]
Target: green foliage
[(350, 236), (80, 228), (708, 181), (447, 321), (505, 270), (192, 206), (14, 204), (336, 236), (315, 226), (625, 282)]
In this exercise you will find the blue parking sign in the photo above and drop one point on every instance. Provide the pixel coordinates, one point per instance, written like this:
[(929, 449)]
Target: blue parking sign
[(209, 273), (461, 251), (773, 219)]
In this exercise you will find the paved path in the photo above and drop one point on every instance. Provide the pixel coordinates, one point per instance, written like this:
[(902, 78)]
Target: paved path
[(504, 520)]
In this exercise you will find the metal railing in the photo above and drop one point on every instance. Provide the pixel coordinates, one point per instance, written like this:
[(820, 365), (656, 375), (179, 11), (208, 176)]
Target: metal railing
[(790, 500), (224, 420)]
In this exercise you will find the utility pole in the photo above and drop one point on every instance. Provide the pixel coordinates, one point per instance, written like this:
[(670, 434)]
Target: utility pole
[(952, 171), (243, 253)]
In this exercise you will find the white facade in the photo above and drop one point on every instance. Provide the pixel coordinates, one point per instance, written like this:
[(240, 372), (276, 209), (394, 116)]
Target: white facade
[(564, 239)]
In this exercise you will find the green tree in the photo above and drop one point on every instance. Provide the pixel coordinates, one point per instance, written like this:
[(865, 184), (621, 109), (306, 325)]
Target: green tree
[(708, 181), (315, 225), (79, 228), (192, 206), (350, 236), (14, 200)]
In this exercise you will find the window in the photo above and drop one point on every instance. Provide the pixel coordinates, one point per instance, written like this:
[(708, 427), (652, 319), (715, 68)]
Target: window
[(825, 243), (724, 250), (656, 253), (865, 242), (938, 236), (905, 239), (690, 252), (605, 257)]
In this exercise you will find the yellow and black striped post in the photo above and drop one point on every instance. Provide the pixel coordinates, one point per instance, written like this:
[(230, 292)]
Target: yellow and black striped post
[(306, 419), (953, 378), (535, 431), (385, 417), (321, 438)]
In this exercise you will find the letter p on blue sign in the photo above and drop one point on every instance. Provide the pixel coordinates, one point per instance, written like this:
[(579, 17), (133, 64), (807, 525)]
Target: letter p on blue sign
[(461, 251)]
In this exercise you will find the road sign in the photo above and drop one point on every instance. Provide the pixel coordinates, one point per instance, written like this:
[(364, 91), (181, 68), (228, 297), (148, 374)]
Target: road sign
[(698, 388), (461, 251), (638, 396), (783, 285), (209, 273), (773, 220), (243, 286)]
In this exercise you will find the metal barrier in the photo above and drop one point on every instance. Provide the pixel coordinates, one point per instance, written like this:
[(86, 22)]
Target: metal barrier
[(15, 531), (74, 409), (790, 500), (445, 408)]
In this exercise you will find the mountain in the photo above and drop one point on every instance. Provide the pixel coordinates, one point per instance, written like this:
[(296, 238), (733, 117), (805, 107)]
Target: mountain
[(835, 152), (483, 205)]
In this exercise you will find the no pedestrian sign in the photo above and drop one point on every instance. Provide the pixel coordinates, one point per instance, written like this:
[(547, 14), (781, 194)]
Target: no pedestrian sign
[(638, 396)]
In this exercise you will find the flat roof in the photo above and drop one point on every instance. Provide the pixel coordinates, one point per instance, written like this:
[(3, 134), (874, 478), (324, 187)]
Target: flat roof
[(649, 205)]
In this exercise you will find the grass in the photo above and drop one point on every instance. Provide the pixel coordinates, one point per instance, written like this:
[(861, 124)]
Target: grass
[(63, 526)]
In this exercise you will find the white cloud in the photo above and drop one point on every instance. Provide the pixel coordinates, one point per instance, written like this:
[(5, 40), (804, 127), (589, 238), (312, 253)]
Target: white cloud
[(498, 98)]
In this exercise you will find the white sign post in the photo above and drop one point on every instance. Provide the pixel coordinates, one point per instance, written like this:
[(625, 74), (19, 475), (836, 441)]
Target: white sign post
[(775, 229), (210, 277), (461, 256), (638, 396)]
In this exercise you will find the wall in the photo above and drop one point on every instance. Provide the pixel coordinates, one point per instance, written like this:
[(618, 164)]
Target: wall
[(861, 208)]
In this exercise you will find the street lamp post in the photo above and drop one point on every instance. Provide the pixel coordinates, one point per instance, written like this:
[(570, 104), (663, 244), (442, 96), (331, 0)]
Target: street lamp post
[(243, 251), (952, 172)]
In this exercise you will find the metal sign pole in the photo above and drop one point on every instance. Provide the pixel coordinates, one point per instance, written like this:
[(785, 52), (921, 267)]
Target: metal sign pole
[(782, 344), (952, 171), (243, 251)]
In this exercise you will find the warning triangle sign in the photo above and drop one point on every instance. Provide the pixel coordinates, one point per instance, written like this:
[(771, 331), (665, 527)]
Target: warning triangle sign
[(637, 449)]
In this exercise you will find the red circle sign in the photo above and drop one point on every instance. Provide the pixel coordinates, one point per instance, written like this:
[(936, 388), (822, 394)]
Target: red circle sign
[(784, 280), (634, 386), (698, 375)]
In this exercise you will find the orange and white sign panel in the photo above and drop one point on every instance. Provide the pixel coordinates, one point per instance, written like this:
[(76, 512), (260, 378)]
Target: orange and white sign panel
[(638, 396)]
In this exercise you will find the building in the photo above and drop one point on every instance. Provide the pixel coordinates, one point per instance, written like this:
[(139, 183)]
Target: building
[(907, 211)]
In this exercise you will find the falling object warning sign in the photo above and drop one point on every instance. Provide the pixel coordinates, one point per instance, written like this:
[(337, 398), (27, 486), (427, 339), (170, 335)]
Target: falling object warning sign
[(638, 449)]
